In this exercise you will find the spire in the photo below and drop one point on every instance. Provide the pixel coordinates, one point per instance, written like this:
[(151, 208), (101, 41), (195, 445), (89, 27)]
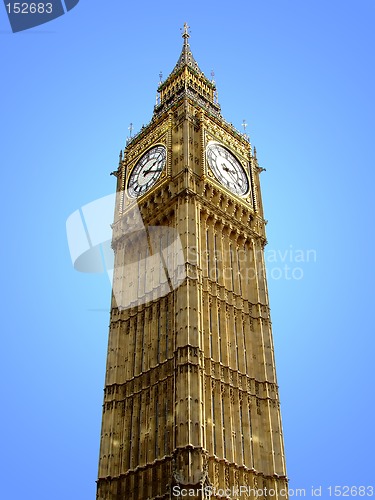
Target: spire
[(187, 81), (186, 57)]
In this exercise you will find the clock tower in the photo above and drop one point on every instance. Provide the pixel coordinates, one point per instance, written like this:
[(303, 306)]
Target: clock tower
[(191, 405)]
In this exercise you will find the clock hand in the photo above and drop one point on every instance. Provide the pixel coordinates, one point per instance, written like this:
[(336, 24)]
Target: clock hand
[(150, 169), (230, 172), (227, 169)]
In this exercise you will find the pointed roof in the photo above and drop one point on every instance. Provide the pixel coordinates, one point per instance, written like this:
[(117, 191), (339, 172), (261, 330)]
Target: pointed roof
[(187, 80), (186, 58)]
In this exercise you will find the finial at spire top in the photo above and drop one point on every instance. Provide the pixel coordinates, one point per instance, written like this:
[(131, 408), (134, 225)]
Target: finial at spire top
[(185, 34)]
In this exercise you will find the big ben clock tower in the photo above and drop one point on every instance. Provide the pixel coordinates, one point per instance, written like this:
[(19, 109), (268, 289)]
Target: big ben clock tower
[(191, 404)]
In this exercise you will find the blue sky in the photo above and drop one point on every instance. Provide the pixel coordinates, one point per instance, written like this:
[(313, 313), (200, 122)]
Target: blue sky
[(302, 75)]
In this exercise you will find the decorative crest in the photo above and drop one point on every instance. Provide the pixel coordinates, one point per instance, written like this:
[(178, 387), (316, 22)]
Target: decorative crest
[(186, 33)]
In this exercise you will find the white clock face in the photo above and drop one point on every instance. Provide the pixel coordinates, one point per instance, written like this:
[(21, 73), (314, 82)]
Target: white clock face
[(227, 169), (147, 171)]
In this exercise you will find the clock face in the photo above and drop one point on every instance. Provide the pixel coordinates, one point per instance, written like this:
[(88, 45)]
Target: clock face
[(147, 171), (227, 169)]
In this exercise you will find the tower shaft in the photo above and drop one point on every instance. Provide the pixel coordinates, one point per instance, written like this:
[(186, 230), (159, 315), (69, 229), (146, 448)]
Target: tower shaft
[(191, 397)]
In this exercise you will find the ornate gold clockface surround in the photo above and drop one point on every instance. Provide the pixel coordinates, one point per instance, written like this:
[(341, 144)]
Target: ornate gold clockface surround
[(227, 169), (147, 171)]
